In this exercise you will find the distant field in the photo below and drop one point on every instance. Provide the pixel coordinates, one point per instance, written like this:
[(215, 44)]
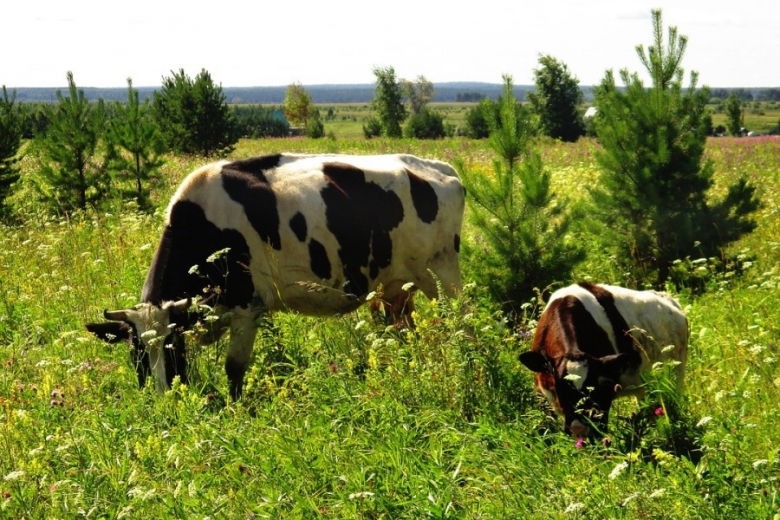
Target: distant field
[(348, 118)]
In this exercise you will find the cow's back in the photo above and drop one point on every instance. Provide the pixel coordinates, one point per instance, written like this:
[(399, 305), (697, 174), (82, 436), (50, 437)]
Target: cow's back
[(324, 230)]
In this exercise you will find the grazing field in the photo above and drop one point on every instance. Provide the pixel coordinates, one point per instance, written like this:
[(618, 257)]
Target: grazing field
[(345, 419)]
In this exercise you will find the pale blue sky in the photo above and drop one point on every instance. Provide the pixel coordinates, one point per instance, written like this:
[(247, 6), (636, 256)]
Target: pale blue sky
[(261, 43)]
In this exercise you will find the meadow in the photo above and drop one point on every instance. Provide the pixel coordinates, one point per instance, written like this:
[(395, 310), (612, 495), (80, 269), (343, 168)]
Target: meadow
[(343, 418)]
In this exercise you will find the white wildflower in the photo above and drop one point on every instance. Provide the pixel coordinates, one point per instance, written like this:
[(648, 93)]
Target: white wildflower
[(620, 468), (361, 494), (760, 462), (703, 421), (14, 475), (213, 257), (149, 335), (629, 499), (657, 493)]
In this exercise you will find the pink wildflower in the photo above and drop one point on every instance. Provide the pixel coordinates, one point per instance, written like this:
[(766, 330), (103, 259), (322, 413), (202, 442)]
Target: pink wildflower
[(659, 411), (580, 443)]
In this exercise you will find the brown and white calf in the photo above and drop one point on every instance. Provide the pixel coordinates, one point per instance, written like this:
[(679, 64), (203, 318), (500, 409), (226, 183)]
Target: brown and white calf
[(593, 342), (308, 233)]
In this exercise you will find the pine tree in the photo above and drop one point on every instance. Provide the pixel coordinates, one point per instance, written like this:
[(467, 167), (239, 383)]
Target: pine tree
[(652, 197), (73, 173), (193, 115), (521, 242), (135, 143), (11, 127)]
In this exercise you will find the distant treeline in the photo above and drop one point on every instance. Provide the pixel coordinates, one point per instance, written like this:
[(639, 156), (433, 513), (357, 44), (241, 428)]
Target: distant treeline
[(321, 94), (456, 92)]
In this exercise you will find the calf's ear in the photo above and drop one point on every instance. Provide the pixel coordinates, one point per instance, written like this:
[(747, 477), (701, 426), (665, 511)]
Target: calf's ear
[(535, 361), (111, 331)]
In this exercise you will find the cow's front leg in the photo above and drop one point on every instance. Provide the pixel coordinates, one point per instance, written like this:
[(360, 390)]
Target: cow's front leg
[(242, 337)]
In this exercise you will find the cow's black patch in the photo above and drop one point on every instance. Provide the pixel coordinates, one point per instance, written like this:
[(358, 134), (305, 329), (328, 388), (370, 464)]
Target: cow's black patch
[(256, 166), (250, 189), (188, 240), (360, 215), (424, 198), (581, 328), (298, 226), (457, 243), (320, 264), (620, 328)]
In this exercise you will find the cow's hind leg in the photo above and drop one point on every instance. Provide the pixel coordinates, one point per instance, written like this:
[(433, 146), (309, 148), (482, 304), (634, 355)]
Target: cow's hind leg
[(242, 338)]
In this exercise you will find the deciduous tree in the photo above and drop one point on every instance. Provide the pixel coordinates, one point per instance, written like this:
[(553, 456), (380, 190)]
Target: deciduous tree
[(556, 100), (389, 101), (735, 117), (420, 92), (297, 105)]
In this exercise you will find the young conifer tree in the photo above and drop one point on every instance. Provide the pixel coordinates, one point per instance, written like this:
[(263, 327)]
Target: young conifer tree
[(135, 144), (521, 242), (11, 125), (652, 199), (73, 173), (193, 115)]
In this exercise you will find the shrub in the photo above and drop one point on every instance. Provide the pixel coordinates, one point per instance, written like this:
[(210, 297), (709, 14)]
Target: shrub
[(426, 124), (372, 128)]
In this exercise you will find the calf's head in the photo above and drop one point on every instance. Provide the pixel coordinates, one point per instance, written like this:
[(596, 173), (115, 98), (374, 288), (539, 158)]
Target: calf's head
[(581, 387), (156, 335)]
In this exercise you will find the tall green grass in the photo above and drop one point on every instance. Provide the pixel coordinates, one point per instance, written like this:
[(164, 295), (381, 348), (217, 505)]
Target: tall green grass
[(343, 418)]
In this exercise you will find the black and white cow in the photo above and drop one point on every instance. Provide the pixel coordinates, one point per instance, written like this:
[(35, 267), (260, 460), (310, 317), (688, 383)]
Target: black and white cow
[(308, 233), (592, 343)]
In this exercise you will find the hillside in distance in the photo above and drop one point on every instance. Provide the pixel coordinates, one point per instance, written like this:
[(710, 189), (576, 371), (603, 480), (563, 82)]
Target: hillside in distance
[(320, 94)]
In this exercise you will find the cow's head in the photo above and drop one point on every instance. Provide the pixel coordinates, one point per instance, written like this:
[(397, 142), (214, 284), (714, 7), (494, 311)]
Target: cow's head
[(155, 332), (581, 387)]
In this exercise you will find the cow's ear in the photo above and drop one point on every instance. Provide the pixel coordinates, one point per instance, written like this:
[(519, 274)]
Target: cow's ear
[(535, 361), (617, 364), (111, 331)]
